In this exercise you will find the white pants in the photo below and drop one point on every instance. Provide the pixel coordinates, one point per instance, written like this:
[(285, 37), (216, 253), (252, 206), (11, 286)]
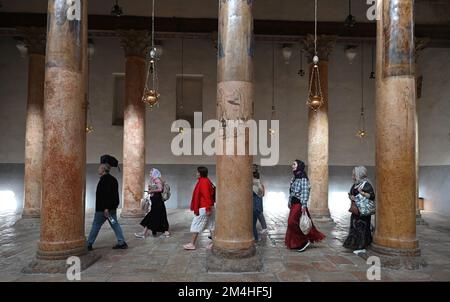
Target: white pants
[(203, 221)]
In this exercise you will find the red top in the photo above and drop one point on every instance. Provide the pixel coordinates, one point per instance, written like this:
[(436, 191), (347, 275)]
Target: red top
[(202, 197)]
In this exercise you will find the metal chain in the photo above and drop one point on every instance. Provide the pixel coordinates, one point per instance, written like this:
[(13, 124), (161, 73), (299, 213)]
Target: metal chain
[(315, 27), (273, 76), (182, 75), (362, 87), (153, 23)]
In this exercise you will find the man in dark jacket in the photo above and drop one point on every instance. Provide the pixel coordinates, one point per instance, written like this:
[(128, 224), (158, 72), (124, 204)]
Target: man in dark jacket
[(106, 203)]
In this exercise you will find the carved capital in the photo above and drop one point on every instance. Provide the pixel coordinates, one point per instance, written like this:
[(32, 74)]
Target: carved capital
[(135, 42), (34, 39), (325, 45), (420, 45)]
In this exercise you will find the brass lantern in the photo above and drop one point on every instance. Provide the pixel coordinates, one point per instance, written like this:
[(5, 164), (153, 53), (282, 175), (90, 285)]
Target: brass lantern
[(315, 99), (150, 97)]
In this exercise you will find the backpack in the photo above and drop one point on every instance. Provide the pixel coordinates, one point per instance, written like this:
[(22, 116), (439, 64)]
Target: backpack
[(166, 191), (213, 193)]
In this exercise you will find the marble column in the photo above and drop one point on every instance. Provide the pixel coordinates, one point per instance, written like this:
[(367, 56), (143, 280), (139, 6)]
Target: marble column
[(34, 39), (135, 44), (62, 213), (318, 131), (395, 238), (420, 45), (233, 248)]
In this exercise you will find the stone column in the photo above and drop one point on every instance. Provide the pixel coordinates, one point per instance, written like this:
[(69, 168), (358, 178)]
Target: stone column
[(233, 248), (135, 44), (34, 39), (395, 235), (420, 45), (318, 137), (62, 213)]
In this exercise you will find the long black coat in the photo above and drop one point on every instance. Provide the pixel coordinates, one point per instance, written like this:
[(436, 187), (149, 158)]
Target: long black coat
[(107, 194)]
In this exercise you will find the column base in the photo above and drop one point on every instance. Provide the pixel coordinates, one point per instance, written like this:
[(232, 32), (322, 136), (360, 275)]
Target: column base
[(237, 261), (419, 220), (132, 213), (320, 215), (396, 258), (31, 213), (59, 266), (28, 222)]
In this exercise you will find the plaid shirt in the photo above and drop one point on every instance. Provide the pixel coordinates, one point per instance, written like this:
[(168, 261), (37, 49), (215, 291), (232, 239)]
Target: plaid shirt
[(300, 189)]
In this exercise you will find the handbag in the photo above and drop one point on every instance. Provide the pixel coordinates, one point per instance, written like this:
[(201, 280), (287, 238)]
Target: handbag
[(366, 207), (305, 223), (353, 208), (146, 203)]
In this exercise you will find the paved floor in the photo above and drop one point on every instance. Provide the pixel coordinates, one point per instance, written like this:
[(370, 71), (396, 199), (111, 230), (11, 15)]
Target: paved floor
[(163, 259)]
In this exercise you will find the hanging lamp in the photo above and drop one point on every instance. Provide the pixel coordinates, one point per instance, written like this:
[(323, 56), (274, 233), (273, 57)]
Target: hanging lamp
[(181, 106), (301, 72), (315, 96), (151, 95), (350, 21), (116, 11), (89, 127), (273, 109), (361, 133), (372, 73)]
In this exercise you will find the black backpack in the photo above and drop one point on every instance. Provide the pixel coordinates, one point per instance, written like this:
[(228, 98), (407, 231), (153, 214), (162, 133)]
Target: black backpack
[(214, 192)]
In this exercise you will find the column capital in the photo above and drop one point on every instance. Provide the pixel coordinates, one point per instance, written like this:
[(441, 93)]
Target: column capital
[(325, 45), (34, 39), (135, 42), (420, 45)]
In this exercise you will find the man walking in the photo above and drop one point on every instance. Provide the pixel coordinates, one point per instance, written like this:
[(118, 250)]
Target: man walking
[(106, 203)]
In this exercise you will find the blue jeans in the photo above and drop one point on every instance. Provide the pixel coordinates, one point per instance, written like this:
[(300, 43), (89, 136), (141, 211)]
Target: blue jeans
[(255, 219), (99, 220)]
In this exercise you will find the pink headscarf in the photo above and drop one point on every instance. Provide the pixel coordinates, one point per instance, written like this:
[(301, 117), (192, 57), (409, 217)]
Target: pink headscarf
[(154, 173)]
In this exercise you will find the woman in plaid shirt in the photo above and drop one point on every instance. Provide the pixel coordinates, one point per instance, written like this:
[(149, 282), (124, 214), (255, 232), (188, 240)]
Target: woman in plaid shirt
[(298, 203)]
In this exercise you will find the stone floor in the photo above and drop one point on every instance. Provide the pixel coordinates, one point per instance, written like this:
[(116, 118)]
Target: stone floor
[(163, 259)]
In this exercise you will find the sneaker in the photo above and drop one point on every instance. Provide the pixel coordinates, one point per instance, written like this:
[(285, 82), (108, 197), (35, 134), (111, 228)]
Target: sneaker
[(357, 252), (89, 247), (139, 235), (304, 247), (166, 234), (120, 246), (189, 246), (263, 231)]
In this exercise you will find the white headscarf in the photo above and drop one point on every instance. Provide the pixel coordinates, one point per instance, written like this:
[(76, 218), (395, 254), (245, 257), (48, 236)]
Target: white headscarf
[(360, 174)]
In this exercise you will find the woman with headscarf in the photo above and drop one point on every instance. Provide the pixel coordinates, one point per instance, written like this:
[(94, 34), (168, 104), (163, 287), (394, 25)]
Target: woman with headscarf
[(156, 219), (360, 235), (298, 203)]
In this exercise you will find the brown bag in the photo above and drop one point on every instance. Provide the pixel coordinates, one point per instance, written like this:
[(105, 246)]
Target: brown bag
[(353, 209)]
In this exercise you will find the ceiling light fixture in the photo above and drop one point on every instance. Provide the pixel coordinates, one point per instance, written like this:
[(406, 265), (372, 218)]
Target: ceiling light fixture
[(287, 52), (315, 96), (350, 21), (116, 11), (350, 53), (151, 95), (362, 133)]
